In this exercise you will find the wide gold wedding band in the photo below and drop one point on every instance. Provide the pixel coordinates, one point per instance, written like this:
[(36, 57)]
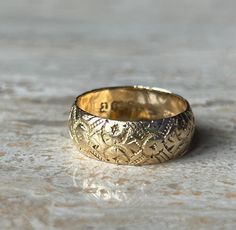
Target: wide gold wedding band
[(131, 125)]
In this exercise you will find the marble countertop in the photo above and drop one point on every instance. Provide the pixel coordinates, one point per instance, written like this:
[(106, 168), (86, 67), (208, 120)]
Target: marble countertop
[(51, 51)]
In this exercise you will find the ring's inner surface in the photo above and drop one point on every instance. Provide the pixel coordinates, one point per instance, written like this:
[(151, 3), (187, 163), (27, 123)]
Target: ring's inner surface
[(131, 104)]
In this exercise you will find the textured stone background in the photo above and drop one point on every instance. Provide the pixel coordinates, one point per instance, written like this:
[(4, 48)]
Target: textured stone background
[(51, 51)]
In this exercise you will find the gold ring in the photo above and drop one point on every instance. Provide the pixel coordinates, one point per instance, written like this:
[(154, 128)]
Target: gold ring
[(131, 125)]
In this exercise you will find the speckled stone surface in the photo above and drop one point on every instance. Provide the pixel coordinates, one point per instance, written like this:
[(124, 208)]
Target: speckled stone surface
[(51, 51)]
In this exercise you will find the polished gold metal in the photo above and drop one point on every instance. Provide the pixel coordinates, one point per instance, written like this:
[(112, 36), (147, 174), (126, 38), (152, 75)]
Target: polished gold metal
[(131, 125)]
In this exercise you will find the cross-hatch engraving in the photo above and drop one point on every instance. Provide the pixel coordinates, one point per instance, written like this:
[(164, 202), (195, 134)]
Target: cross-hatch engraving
[(134, 143)]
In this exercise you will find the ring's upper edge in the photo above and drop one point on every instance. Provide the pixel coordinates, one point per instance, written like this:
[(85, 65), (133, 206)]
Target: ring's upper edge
[(188, 107)]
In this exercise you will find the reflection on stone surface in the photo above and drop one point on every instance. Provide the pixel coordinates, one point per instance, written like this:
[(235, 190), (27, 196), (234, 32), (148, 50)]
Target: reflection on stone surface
[(98, 189), (109, 182)]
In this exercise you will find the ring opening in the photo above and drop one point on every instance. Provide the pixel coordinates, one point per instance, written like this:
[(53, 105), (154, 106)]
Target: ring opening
[(131, 103)]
